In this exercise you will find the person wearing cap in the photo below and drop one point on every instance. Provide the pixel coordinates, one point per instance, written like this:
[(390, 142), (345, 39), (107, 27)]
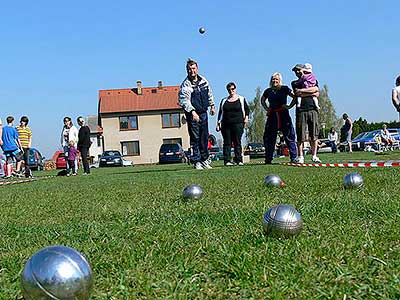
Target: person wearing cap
[(396, 95), (307, 127), (307, 80)]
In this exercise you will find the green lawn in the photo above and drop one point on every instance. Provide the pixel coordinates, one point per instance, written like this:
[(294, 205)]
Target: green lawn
[(144, 242)]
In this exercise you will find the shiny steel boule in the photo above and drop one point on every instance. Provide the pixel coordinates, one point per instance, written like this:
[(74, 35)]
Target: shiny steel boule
[(202, 30), (192, 192), (273, 180), (56, 272), (282, 220), (353, 180)]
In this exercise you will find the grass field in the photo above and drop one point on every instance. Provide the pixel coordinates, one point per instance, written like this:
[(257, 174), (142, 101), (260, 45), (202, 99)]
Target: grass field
[(144, 242)]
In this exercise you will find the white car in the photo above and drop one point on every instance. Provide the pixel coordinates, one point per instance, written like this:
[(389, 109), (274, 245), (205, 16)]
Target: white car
[(127, 163)]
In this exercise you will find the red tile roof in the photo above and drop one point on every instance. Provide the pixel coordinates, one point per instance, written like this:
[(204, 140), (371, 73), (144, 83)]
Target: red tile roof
[(128, 100)]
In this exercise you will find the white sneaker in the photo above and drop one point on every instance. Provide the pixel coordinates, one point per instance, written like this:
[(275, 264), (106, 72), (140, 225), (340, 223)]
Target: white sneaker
[(229, 164), (316, 159), (198, 166), (240, 163), (299, 160), (206, 165)]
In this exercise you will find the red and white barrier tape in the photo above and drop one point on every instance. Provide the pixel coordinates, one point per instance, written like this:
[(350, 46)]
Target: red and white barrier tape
[(5, 182), (350, 165)]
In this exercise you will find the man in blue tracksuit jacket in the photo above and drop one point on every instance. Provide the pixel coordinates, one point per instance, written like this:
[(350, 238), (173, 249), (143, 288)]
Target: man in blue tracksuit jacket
[(195, 96)]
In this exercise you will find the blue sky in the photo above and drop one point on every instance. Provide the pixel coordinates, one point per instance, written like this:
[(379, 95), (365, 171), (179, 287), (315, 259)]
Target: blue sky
[(55, 56)]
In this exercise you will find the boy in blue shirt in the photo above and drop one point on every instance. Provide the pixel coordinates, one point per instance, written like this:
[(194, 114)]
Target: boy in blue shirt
[(11, 147)]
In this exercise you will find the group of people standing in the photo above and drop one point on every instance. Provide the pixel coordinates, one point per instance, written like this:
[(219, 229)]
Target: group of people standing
[(74, 140), (195, 97), (15, 143)]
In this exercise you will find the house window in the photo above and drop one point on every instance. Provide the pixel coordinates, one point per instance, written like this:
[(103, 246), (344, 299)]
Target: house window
[(172, 141), (170, 120), (130, 148), (128, 123)]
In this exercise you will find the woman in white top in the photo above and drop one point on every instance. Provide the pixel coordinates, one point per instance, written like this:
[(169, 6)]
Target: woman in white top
[(332, 140), (385, 136)]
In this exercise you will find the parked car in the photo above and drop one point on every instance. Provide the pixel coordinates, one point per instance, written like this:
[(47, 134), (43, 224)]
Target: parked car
[(368, 140), (60, 160), (94, 165), (127, 163), (216, 153), (35, 159), (170, 153), (255, 150), (111, 158)]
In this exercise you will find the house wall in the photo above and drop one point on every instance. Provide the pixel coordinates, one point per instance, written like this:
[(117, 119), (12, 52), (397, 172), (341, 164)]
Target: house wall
[(95, 149), (150, 135)]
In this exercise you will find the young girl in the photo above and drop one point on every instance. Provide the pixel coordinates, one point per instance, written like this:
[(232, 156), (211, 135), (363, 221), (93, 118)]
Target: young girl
[(72, 154), (307, 80)]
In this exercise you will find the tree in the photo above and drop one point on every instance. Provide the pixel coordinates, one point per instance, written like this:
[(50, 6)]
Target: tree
[(255, 129), (327, 113), (364, 126)]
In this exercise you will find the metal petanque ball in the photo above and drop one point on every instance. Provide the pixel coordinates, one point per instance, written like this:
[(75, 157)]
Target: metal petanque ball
[(192, 192), (202, 30), (56, 272), (352, 180), (274, 180), (282, 220)]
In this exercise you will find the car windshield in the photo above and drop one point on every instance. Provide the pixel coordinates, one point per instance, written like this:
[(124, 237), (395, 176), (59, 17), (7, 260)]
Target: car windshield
[(256, 145), (393, 131), (166, 147), (111, 153), (215, 149), (360, 135), (371, 134)]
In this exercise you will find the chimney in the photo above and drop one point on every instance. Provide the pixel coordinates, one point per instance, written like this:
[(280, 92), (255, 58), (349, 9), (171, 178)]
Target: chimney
[(160, 84), (139, 87)]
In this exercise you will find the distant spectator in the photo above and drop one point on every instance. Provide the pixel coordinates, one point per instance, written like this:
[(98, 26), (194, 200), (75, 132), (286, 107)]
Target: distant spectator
[(348, 130), (25, 137), (69, 133), (72, 158), (332, 140), (386, 138), (84, 144), (11, 147), (396, 95), (233, 115), (280, 145)]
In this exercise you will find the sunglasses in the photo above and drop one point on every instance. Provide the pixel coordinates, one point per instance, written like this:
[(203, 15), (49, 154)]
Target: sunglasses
[(232, 89)]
